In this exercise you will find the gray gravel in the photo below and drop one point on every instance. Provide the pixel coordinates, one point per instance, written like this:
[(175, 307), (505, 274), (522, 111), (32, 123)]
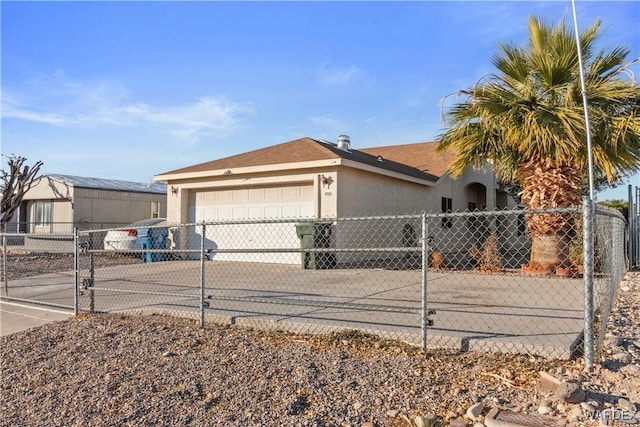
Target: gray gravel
[(105, 370), (121, 370)]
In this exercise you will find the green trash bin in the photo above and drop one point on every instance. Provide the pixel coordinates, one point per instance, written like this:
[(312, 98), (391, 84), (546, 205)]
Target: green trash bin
[(315, 235)]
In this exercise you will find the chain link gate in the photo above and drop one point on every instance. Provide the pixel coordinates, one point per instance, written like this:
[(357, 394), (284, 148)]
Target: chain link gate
[(212, 278)]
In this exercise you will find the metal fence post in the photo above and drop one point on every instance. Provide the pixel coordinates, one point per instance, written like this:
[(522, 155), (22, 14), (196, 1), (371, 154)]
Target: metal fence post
[(75, 271), (636, 228), (91, 284), (619, 259), (587, 221), (631, 225), (202, 266), (4, 261), (425, 266)]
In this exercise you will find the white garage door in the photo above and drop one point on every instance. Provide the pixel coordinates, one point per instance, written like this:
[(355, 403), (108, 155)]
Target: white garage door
[(252, 204)]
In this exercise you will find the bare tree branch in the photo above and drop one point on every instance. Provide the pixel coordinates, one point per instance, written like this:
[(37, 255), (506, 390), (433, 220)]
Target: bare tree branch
[(16, 181)]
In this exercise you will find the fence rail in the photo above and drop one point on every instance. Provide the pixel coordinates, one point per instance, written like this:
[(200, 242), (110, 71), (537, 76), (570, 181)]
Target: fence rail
[(465, 280)]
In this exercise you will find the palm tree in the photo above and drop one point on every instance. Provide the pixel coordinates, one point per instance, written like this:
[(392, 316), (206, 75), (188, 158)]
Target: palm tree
[(527, 121)]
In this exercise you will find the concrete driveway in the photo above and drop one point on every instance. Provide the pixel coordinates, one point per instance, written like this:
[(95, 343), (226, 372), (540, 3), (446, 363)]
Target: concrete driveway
[(506, 313), (21, 317)]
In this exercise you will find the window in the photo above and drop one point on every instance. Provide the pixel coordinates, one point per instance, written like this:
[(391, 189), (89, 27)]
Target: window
[(43, 213), (155, 209), (446, 208)]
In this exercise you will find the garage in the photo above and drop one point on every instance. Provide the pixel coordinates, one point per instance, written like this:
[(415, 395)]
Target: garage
[(247, 204)]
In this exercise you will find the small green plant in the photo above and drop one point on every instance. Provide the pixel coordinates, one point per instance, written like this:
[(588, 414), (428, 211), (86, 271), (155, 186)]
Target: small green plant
[(488, 257), (418, 421)]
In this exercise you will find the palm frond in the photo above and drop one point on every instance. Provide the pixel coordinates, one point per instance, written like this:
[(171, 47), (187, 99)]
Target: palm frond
[(531, 109)]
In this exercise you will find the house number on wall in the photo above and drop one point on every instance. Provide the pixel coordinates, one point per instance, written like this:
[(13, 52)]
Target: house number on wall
[(327, 193)]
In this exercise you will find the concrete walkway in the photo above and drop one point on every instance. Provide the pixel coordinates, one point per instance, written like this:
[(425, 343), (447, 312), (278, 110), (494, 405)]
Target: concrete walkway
[(21, 317)]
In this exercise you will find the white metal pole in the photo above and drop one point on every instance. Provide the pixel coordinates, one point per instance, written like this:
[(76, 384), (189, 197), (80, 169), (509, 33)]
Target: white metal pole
[(425, 265), (202, 271), (588, 215), (584, 100)]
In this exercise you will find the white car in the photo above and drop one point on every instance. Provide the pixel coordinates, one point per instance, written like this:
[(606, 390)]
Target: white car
[(129, 238)]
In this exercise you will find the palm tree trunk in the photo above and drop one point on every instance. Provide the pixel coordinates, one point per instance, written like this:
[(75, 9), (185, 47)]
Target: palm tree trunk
[(550, 250), (548, 185)]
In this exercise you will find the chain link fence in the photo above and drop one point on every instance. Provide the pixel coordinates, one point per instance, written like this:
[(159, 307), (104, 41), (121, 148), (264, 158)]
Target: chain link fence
[(634, 227), (464, 281), (38, 268), (609, 265)]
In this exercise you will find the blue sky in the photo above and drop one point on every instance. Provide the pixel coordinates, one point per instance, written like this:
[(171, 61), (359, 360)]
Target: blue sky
[(128, 90)]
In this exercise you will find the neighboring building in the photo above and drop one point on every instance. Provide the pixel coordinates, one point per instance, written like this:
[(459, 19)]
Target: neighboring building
[(58, 203), (320, 179)]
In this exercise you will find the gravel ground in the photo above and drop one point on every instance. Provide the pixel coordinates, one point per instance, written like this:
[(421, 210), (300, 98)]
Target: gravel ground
[(105, 370), (21, 264)]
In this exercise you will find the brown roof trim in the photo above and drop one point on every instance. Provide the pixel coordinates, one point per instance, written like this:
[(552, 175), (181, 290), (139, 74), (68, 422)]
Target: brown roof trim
[(381, 162), (299, 150), (399, 159), (423, 156)]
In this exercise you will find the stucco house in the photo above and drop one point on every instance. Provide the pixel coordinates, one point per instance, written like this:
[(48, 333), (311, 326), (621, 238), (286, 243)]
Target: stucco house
[(321, 179), (58, 203)]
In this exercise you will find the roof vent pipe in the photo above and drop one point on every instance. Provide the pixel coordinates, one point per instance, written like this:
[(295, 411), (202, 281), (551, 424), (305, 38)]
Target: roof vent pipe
[(344, 142)]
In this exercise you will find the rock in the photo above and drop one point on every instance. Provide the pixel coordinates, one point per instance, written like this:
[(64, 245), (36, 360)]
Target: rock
[(622, 357), (570, 392), (613, 340), (168, 354), (452, 414), (631, 369), (367, 424), (457, 422), (625, 288), (507, 373), (575, 414), (627, 405), (392, 413), (378, 402), (357, 406), (545, 410), (548, 383), (474, 412)]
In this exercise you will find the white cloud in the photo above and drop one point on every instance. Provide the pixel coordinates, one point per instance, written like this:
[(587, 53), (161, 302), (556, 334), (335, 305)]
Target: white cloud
[(338, 76), (59, 101), (210, 115)]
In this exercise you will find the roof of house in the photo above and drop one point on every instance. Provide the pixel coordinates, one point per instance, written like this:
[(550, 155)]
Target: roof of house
[(416, 160), (423, 156), (110, 184)]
